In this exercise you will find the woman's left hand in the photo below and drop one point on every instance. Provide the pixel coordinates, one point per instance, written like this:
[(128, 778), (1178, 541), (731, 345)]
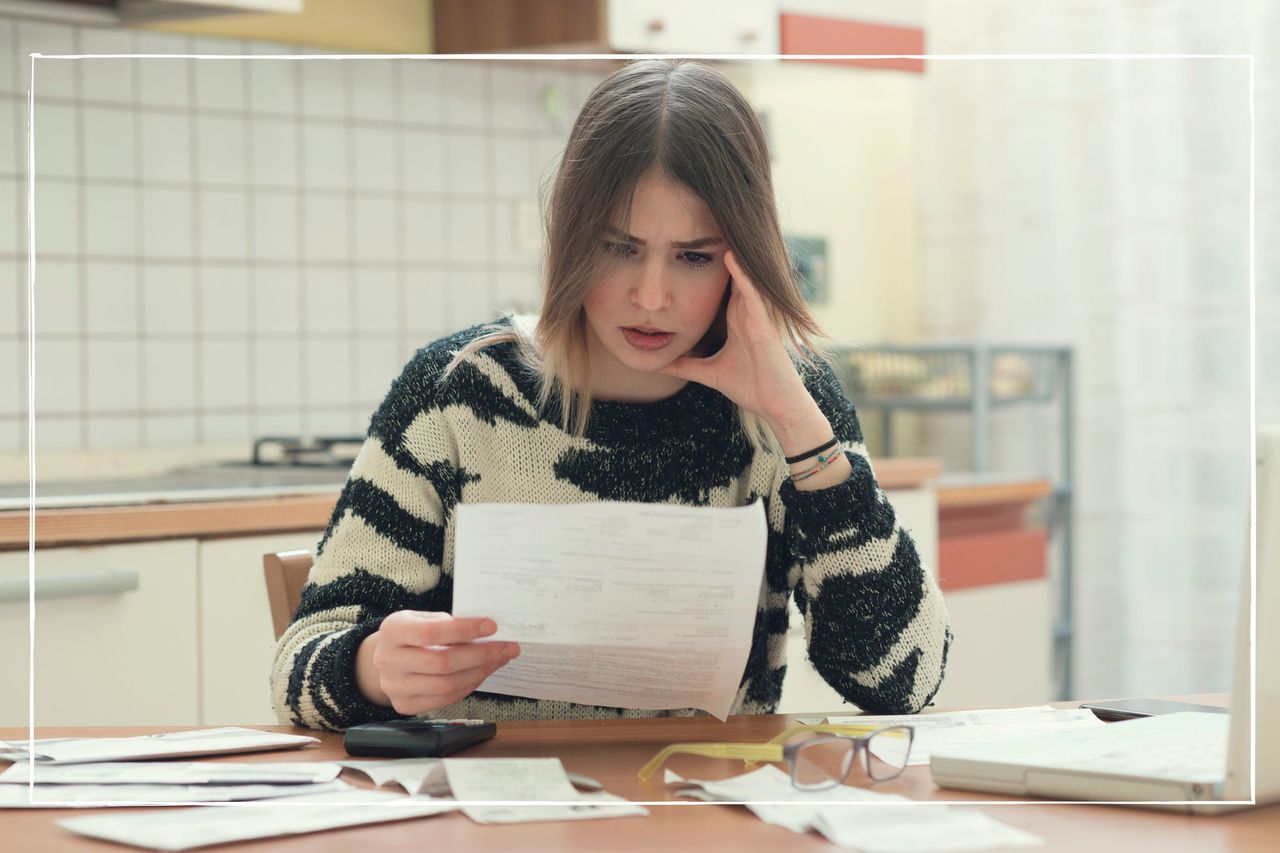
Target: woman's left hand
[(753, 368)]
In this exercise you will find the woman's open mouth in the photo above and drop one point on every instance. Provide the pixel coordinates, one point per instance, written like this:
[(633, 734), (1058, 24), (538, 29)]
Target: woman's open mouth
[(644, 339)]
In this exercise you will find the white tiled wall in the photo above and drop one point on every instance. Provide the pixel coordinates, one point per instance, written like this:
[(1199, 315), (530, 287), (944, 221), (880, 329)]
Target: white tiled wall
[(234, 247)]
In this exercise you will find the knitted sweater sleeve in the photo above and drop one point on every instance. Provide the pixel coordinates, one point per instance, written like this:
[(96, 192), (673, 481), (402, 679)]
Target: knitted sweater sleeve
[(875, 624), (382, 552)]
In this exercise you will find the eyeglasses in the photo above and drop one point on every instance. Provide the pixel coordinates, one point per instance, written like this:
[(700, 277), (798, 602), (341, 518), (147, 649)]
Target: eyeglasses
[(817, 763)]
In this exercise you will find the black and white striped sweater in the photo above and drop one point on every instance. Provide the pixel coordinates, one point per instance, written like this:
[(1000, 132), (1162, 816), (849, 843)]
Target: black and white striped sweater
[(874, 619)]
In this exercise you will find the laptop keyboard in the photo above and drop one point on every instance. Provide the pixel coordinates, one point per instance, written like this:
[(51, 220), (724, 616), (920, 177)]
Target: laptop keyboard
[(1156, 754)]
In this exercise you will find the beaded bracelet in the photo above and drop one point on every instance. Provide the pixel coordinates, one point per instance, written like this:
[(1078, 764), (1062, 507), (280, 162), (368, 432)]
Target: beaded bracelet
[(791, 460), (824, 459)]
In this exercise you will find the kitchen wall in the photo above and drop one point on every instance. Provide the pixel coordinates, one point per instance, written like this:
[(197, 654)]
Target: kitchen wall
[(231, 248), (844, 148), (240, 247)]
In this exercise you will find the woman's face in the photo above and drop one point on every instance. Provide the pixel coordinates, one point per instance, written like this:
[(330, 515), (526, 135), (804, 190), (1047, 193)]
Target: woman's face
[(659, 291)]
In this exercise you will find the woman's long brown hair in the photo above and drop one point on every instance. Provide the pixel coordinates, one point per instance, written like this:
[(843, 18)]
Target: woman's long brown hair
[(688, 121)]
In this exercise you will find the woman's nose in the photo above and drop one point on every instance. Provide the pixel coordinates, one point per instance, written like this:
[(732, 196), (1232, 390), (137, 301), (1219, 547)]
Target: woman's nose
[(650, 292)]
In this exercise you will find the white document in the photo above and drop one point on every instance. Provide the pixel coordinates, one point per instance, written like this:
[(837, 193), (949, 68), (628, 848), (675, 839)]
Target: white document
[(856, 817), (217, 741), (84, 796), (426, 775), (184, 829), (518, 780), (628, 605), (415, 775), (919, 828), (175, 773), (597, 804), (769, 794), (934, 732)]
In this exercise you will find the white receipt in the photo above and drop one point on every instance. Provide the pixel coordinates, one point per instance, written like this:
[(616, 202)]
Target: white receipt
[(856, 817), (769, 794), (516, 780), (918, 828), (167, 745), (934, 732), (175, 773), (183, 829), (59, 796), (628, 605)]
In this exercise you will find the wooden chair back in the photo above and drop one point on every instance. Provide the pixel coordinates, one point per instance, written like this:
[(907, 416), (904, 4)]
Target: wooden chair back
[(286, 572)]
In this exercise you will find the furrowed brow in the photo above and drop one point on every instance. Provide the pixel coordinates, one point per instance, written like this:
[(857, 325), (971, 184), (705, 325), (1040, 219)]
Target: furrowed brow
[(675, 244)]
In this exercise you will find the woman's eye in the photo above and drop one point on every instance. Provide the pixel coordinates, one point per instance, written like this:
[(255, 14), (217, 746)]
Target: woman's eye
[(695, 259), (622, 250)]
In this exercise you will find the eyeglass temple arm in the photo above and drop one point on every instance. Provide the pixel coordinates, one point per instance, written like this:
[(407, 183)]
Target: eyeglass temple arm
[(746, 751), (850, 729)]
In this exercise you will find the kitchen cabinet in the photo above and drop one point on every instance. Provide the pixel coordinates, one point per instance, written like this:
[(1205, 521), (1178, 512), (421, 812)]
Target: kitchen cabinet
[(606, 26), (237, 640), (1002, 654), (117, 646)]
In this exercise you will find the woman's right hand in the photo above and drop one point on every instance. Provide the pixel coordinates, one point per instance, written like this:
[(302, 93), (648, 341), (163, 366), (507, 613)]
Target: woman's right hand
[(419, 661)]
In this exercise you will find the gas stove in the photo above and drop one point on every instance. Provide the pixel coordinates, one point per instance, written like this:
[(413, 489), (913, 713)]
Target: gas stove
[(307, 451)]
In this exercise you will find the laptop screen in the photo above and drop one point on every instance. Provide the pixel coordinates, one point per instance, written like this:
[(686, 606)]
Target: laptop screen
[(1260, 670)]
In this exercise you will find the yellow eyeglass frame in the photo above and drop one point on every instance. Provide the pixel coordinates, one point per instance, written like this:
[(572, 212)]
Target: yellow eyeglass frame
[(751, 752)]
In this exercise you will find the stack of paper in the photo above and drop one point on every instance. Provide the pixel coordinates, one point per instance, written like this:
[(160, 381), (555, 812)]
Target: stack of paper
[(934, 732), (857, 818), (184, 829), (84, 772), (128, 783), (219, 741)]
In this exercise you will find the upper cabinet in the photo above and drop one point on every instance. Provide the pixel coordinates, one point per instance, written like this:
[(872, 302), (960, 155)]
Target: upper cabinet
[(606, 26)]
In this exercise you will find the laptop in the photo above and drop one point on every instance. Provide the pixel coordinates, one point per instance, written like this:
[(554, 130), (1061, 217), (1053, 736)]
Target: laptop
[(1162, 761)]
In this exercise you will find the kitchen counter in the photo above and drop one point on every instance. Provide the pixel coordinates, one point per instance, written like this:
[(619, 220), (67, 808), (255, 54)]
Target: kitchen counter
[(227, 500), (196, 483)]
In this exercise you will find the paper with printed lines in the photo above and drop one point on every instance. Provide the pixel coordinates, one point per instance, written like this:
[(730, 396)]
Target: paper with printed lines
[(627, 605)]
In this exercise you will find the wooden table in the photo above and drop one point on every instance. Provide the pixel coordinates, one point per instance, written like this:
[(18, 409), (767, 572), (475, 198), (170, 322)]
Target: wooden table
[(612, 750)]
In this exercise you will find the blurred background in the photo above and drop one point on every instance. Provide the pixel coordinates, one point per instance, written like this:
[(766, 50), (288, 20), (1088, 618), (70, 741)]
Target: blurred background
[(1035, 272)]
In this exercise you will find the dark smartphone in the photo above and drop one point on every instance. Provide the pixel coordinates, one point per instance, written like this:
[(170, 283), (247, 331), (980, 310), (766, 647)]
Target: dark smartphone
[(1131, 709), (416, 738)]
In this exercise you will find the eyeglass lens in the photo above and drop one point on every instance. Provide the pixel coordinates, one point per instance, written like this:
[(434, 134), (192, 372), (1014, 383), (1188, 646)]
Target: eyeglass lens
[(878, 770), (823, 762)]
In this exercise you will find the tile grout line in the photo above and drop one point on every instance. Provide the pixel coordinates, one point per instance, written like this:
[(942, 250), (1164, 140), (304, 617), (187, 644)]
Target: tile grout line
[(300, 246), (82, 289), (401, 270), (197, 277), (352, 272), (251, 259), (490, 202), (20, 216), (140, 273)]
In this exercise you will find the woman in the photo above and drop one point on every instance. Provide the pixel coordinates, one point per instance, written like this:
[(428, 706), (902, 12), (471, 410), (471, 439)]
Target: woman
[(673, 361)]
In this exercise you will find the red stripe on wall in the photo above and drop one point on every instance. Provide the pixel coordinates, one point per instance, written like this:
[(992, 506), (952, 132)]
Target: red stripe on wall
[(808, 34)]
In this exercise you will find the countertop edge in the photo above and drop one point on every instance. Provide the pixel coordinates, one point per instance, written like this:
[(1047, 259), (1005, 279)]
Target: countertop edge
[(195, 519), (142, 516)]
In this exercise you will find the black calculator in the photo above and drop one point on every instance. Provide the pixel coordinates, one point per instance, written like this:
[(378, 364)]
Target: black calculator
[(416, 738)]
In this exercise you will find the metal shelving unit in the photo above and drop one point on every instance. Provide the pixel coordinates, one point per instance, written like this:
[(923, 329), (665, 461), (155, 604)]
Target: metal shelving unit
[(979, 379)]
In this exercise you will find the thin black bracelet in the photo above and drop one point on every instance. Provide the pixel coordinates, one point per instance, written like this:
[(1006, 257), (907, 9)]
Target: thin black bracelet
[(791, 460)]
